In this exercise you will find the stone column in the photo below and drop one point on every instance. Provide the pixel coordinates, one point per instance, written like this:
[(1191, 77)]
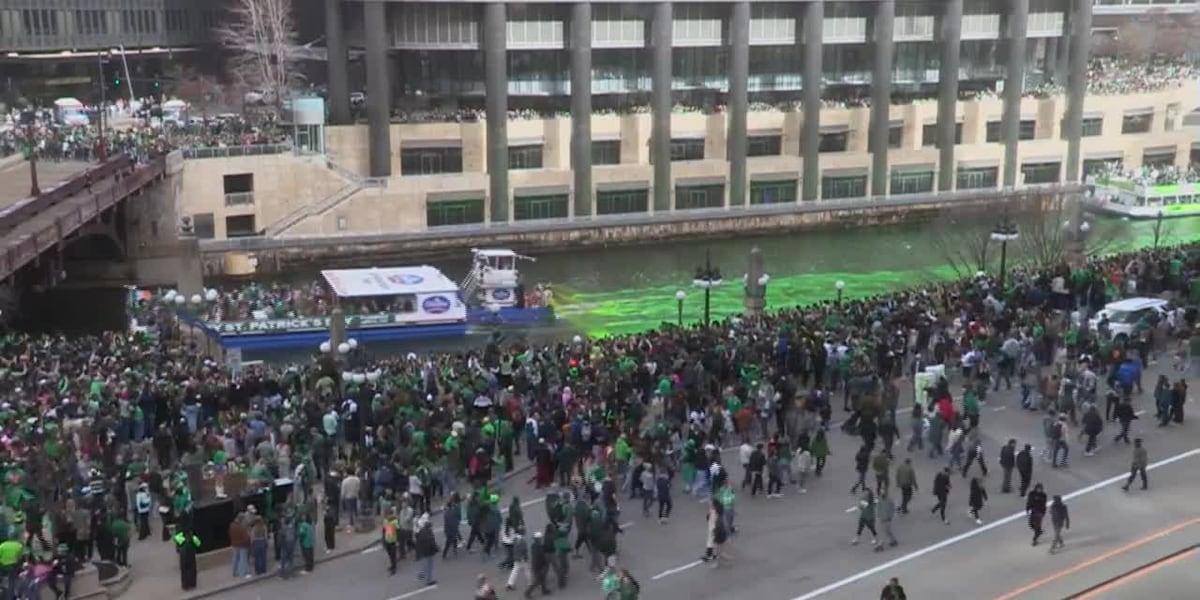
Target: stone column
[(739, 79), (660, 104), (756, 295), (336, 64), (951, 38), (810, 132), (1063, 68), (1081, 42), (379, 100), (189, 278), (495, 63), (1018, 20), (881, 93), (581, 106)]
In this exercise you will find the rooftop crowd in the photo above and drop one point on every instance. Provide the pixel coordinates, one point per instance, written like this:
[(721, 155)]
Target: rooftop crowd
[(98, 430)]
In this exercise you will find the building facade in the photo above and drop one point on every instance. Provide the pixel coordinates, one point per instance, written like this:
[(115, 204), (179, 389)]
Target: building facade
[(491, 113), (54, 26)]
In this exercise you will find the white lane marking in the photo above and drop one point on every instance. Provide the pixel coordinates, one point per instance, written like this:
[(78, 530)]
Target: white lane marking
[(694, 563), (999, 408), (628, 525), (1139, 413), (851, 509), (375, 548), (414, 592), (974, 532)]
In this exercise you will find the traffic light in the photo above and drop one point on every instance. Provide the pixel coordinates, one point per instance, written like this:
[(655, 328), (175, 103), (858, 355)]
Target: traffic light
[(117, 81)]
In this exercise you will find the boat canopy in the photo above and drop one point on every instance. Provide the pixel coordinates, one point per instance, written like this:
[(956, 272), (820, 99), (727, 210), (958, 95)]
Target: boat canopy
[(392, 281)]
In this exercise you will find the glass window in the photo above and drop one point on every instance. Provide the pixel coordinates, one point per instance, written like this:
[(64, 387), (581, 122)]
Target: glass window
[(239, 183), (431, 161), (622, 201), (994, 132), (529, 208), (764, 145), (978, 178), (39, 22), (240, 226), (773, 192), (911, 182), (688, 197), (204, 226), (929, 134), (1026, 129), (1037, 173), (524, 157), (1136, 123), (834, 142), (895, 135), (606, 152), (848, 186), (687, 149), (1088, 127), (1096, 165), (1158, 159), (440, 213)]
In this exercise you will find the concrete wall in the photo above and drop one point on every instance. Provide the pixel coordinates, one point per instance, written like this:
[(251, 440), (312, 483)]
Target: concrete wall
[(285, 182)]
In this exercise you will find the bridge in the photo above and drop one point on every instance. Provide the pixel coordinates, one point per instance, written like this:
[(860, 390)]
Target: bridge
[(86, 205)]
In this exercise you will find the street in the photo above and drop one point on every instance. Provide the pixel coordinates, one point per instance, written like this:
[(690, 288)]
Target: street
[(797, 547)]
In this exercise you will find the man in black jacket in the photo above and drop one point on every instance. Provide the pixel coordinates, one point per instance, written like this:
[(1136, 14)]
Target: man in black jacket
[(941, 491), (758, 461), (1124, 415), (1025, 467), (1008, 460), (539, 563)]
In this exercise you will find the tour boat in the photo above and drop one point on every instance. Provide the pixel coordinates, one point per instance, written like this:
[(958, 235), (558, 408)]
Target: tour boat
[(396, 304), (1135, 200)]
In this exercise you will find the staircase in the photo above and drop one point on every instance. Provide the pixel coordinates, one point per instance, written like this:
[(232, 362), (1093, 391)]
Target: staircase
[(469, 286), (323, 206)]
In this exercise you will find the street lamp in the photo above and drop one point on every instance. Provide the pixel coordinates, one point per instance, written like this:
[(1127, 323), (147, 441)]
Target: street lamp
[(353, 343), (1004, 233), (29, 119), (325, 347), (839, 285), (343, 348), (707, 278), (680, 295), (762, 286)]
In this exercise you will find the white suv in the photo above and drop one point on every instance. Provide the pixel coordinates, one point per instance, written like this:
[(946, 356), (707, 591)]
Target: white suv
[(1124, 315)]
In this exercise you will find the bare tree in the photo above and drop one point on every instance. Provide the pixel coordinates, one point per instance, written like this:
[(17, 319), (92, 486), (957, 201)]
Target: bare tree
[(964, 245), (1046, 237), (261, 37)]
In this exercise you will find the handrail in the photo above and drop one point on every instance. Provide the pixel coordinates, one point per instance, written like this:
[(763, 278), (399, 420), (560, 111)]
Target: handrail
[(291, 219)]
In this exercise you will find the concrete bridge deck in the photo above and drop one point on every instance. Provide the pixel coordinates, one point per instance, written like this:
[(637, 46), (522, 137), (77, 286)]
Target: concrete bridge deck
[(14, 177)]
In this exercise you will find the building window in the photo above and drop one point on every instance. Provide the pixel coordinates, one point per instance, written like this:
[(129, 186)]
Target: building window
[(343, 222), (1038, 173), (1139, 123), (90, 22), (440, 213), (524, 157), (39, 22), (690, 197), (606, 152), (529, 208), (1093, 166), (773, 192), (978, 178), (622, 201), (994, 132), (1158, 159), (895, 136), (1026, 129), (432, 161), (764, 145), (911, 182), (1092, 127), (204, 226), (687, 149), (834, 141), (929, 134), (177, 20), (240, 226), (239, 189), (1172, 116), (846, 186)]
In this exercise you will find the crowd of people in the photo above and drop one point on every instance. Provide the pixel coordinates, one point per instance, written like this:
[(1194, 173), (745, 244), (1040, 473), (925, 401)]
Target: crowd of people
[(1148, 176), (101, 432)]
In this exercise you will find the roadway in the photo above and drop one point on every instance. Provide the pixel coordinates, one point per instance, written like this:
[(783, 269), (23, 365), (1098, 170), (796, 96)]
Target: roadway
[(14, 178), (797, 547)]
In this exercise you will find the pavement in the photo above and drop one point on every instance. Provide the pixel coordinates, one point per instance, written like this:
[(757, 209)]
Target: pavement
[(14, 177), (797, 547)]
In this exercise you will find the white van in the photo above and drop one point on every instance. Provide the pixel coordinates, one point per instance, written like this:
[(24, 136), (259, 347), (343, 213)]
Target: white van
[(1124, 315), (70, 111)]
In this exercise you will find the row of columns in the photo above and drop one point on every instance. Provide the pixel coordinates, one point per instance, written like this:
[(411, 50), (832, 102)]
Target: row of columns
[(1067, 59)]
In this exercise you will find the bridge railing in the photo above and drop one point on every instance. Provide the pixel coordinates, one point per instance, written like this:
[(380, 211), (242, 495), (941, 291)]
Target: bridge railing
[(28, 236), (27, 208)]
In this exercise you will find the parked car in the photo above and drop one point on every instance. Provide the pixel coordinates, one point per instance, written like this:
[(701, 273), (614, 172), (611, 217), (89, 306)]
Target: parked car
[(1124, 315)]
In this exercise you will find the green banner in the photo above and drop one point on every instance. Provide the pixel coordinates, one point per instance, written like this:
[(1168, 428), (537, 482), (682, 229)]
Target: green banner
[(298, 324)]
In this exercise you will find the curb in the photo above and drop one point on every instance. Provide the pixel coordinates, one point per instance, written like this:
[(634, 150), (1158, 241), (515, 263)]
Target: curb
[(350, 549)]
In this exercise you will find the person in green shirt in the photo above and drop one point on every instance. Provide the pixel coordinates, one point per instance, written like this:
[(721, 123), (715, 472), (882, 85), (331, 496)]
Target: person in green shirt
[(11, 553), (119, 528), (306, 537)]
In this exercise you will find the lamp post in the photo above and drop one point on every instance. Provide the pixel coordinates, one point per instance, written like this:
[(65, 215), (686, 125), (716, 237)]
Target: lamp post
[(680, 295), (29, 119), (707, 278), (762, 285), (1004, 233), (1158, 219), (839, 285)]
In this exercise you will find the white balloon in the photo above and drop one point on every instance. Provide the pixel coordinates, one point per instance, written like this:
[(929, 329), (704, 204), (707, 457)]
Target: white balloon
[(353, 343), (325, 346), (343, 348)]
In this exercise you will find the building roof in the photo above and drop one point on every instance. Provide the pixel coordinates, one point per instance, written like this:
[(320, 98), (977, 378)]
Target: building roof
[(356, 283)]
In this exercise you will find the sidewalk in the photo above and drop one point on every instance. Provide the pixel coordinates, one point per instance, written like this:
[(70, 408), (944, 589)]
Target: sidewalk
[(155, 566)]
